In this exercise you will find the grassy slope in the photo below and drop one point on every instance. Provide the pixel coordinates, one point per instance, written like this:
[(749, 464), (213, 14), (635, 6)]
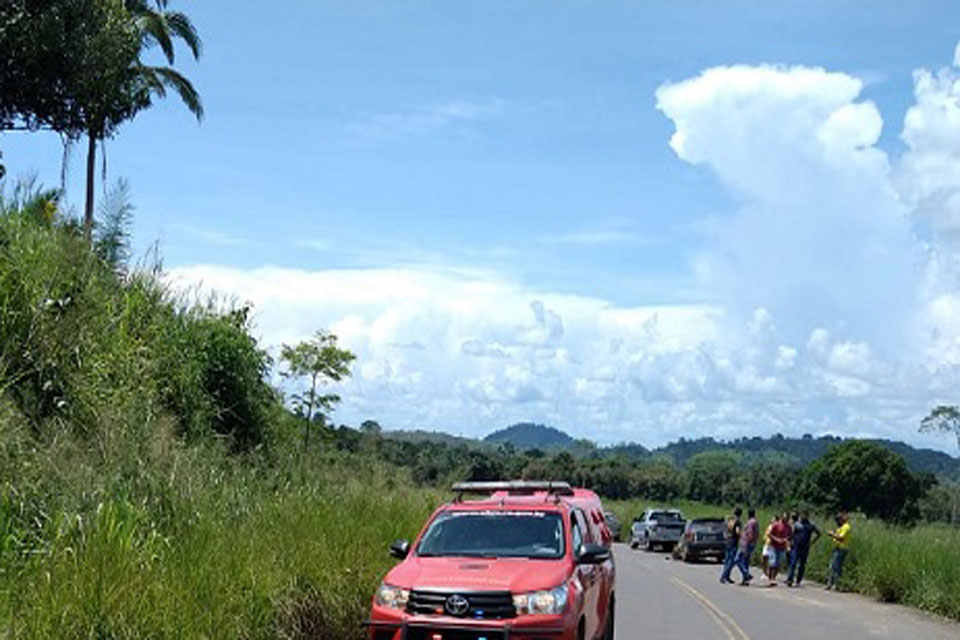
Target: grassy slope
[(919, 567), (244, 556)]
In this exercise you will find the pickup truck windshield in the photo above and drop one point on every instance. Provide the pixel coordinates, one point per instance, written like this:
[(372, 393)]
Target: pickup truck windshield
[(494, 534)]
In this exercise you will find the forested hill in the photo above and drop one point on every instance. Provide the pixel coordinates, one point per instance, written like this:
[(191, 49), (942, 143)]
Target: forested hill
[(526, 435), (802, 451), (775, 449)]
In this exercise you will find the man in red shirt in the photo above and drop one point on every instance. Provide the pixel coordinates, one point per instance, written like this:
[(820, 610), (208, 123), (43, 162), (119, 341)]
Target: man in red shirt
[(777, 542)]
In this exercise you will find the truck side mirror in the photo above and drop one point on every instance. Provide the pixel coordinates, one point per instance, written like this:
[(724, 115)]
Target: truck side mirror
[(400, 549), (592, 554)]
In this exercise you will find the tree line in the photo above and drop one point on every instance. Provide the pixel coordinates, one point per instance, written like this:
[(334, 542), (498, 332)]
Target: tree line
[(854, 475)]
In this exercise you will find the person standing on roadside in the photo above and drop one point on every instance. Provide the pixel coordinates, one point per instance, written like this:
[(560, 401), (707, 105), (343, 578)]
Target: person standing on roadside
[(841, 547), (748, 542), (805, 534), (732, 536), (777, 540)]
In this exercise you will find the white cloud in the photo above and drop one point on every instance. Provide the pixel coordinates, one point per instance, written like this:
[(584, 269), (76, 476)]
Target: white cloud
[(786, 357), (832, 247), (596, 238), (431, 118), (820, 237), (211, 236)]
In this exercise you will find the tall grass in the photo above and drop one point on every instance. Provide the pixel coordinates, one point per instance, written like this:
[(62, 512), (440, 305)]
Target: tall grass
[(239, 554), (918, 566)]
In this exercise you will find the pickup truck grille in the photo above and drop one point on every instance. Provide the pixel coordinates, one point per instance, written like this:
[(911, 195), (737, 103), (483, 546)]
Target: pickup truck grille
[(454, 634), (483, 605)]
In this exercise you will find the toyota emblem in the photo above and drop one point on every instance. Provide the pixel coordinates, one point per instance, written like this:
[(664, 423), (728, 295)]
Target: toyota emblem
[(457, 605)]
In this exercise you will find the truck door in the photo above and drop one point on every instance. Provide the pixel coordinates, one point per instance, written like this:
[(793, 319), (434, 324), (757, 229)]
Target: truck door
[(588, 575)]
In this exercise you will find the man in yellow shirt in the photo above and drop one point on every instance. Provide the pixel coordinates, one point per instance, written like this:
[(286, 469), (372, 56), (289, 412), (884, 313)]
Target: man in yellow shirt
[(841, 546)]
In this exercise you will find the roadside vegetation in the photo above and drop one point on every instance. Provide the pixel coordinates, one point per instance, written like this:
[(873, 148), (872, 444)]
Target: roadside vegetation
[(153, 484)]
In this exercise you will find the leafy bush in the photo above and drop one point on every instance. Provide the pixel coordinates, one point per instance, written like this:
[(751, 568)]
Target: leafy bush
[(863, 476)]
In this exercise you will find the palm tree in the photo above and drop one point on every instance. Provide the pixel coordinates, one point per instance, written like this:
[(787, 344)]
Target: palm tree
[(153, 25)]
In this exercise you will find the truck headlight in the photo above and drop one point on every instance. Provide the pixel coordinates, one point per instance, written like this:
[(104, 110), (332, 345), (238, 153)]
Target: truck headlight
[(392, 597), (547, 602)]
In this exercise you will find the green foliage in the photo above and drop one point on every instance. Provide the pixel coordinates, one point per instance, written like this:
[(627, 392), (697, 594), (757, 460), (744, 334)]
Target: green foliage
[(69, 65), (209, 547), (709, 474), (943, 418), (81, 347), (941, 504), (321, 361), (863, 476), (112, 242), (211, 375), (78, 67)]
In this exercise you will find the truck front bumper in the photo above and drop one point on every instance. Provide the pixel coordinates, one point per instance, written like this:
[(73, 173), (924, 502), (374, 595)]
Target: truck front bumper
[(415, 628)]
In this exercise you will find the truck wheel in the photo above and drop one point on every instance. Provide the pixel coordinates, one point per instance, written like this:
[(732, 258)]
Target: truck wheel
[(611, 619)]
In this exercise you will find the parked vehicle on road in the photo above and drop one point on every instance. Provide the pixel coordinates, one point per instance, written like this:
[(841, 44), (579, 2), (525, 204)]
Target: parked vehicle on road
[(657, 528), (702, 538), (613, 523), (528, 560)]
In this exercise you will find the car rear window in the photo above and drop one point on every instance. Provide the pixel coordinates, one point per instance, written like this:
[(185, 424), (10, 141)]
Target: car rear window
[(666, 516), (712, 526), (494, 534)]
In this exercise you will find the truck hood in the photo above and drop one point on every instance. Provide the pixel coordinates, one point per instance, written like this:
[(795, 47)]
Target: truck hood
[(517, 575)]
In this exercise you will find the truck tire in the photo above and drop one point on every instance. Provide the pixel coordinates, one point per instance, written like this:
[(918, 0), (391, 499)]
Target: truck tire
[(611, 619)]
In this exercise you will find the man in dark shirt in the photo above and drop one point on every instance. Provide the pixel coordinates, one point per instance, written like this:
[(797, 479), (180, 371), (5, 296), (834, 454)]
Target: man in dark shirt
[(805, 534), (732, 536), (748, 542)]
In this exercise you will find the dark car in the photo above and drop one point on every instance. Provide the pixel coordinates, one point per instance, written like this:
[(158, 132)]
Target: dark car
[(702, 538), (613, 523)]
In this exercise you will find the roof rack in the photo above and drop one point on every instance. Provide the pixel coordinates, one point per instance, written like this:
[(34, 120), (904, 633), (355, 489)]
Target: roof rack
[(515, 487)]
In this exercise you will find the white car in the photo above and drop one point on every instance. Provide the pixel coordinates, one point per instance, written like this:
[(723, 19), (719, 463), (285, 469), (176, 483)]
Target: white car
[(657, 528)]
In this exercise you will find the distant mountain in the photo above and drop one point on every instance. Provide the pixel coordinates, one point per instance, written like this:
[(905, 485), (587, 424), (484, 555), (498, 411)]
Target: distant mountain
[(438, 437), (802, 451), (526, 435), (776, 449)]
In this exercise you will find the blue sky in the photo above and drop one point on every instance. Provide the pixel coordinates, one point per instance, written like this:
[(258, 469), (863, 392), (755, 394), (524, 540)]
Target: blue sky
[(482, 200)]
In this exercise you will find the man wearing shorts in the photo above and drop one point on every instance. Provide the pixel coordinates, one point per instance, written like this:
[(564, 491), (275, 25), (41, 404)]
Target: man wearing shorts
[(775, 551)]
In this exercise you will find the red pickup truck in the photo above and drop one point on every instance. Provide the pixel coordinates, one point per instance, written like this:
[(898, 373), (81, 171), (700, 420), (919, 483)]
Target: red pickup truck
[(529, 560)]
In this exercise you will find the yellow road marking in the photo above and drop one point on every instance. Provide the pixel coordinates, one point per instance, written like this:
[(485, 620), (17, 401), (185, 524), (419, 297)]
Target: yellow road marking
[(732, 629)]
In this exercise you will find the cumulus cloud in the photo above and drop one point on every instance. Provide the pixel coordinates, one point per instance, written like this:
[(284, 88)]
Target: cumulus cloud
[(834, 285), (819, 235)]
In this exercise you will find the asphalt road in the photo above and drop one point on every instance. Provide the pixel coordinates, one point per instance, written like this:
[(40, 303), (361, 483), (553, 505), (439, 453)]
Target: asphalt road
[(667, 599)]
